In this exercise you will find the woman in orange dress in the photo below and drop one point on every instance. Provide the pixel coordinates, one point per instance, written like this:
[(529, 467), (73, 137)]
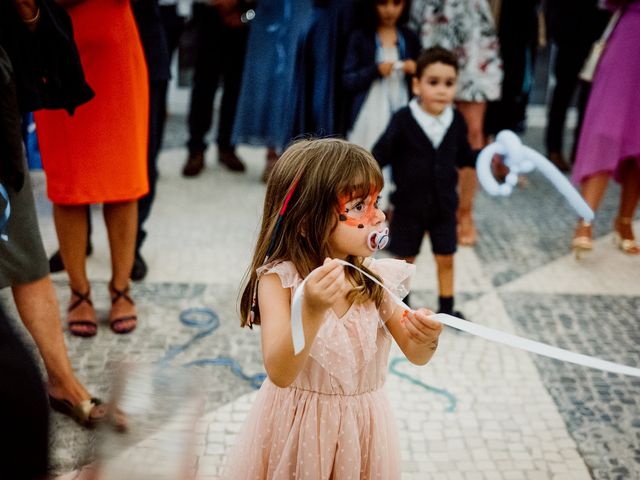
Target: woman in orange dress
[(98, 155)]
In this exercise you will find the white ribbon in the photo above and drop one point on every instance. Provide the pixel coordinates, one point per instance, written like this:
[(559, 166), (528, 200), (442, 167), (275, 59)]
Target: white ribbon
[(521, 159), (297, 333)]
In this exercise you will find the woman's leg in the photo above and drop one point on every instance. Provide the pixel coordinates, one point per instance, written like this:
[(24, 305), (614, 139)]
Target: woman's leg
[(629, 195), (473, 113), (592, 190), (71, 225), (39, 310), (121, 219), (630, 175)]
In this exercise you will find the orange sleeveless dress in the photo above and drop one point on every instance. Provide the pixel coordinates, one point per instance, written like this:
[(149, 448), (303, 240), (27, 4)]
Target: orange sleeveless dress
[(99, 154)]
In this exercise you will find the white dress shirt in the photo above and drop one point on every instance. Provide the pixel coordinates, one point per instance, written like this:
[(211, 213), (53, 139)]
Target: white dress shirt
[(434, 126)]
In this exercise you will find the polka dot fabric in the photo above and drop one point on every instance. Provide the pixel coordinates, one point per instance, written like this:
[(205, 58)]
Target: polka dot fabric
[(334, 421)]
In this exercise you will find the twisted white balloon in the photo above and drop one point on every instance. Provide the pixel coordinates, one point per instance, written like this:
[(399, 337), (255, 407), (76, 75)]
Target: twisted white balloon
[(521, 159)]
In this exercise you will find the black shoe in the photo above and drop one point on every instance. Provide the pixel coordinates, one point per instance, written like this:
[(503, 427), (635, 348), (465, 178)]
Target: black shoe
[(229, 159), (193, 165), (139, 270), (55, 261)]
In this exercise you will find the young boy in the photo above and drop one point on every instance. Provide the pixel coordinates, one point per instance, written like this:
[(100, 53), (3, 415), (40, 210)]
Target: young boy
[(426, 143)]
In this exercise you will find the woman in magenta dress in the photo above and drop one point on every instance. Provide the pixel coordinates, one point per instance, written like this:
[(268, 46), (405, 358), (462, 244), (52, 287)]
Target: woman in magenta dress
[(609, 144)]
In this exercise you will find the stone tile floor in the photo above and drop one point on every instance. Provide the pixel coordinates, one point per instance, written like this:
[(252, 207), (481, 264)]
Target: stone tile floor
[(478, 410)]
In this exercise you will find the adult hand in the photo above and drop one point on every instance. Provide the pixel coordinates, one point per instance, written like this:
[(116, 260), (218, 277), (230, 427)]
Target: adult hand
[(409, 67), (421, 329), (325, 286), (385, 68)]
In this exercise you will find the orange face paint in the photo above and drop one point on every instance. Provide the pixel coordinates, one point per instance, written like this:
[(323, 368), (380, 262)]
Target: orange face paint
[(357, 212)]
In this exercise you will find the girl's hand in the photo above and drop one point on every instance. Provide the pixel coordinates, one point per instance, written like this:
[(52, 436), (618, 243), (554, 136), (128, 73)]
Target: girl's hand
[(420, 328), (385, 68), (325, 285), (409, 67)]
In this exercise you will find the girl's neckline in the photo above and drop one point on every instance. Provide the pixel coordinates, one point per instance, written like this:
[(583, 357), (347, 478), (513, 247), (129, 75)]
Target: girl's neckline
[(393, 31), (345, 314)]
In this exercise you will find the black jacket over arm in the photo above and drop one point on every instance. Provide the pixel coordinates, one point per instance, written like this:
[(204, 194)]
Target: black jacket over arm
[(426, 178), (46, 63), (40, 69), (360, 68)]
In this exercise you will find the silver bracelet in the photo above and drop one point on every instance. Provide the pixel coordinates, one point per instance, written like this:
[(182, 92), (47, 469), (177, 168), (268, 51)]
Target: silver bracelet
[(34, 19)]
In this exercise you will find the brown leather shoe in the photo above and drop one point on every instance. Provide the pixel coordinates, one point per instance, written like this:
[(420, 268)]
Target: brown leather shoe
[(229, 159), (194, 165), (559, 161)]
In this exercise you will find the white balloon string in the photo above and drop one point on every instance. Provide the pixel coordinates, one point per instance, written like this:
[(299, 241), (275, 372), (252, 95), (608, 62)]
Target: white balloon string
[(297, 333)]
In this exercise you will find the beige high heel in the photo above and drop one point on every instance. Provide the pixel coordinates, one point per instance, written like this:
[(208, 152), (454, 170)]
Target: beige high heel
[(627, 245), (582, 239)]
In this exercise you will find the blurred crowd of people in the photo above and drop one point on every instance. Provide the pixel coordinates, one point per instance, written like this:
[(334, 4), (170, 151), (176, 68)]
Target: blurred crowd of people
[(96, 73)]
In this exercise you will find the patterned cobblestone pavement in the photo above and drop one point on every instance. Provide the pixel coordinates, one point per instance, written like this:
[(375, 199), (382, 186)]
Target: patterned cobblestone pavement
[(602, 411), (478, 410)]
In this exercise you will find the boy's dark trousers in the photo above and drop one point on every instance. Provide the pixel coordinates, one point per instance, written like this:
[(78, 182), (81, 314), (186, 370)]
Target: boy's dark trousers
[(220, 56)]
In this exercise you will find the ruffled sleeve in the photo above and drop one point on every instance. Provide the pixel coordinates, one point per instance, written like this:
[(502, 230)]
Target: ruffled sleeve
[(396, 276), (285, 270)]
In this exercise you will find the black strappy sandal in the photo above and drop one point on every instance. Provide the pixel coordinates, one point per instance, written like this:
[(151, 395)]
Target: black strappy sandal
[(114, 322), (90, 324)]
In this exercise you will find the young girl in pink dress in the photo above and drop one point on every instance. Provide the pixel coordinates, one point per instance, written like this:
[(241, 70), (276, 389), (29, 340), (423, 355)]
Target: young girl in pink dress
[(323, 413)]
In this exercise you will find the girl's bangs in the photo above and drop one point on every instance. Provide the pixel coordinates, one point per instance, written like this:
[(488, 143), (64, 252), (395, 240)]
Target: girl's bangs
[(366, 179)]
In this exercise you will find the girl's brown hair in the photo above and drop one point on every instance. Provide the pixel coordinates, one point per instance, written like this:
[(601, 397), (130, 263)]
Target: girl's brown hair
[(325, 169)]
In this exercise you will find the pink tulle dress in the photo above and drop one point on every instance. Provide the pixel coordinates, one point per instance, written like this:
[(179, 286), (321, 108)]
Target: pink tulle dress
[(334, 421)]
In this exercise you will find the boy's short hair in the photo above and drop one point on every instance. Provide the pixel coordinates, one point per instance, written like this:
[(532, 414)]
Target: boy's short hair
[(435, 55)]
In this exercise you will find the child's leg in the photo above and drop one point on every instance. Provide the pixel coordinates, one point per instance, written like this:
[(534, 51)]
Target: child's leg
[(444, 263), (443, 243), (406, 233)]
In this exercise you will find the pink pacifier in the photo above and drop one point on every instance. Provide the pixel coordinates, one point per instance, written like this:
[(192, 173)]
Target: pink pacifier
[(378, 240)]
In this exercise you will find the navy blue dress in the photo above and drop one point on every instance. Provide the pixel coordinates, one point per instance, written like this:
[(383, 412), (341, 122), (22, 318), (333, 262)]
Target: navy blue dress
[(266, 105), (322, 103)]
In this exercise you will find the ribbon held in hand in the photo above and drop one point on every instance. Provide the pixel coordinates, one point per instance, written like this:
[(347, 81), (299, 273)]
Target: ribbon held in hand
[(519, 158), (478, 330)]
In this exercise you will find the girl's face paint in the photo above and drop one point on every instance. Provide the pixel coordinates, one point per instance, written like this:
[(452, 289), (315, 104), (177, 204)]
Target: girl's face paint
[(360, 230), (358, 212)]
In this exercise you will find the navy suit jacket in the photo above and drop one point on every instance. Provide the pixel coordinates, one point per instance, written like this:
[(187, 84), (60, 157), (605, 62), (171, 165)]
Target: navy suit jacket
[(426, 178)]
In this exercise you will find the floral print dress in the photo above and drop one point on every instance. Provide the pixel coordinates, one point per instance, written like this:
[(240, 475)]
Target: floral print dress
[(467, 28)]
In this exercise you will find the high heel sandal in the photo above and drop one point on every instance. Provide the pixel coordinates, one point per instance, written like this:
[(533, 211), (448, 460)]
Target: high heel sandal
[(582, 240), (81, 324), (627, 245), (116, 319)]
